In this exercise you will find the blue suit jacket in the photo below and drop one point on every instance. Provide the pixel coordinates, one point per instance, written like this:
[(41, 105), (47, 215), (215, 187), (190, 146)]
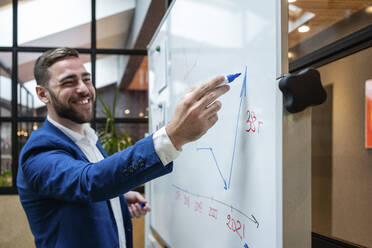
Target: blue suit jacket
[(65, 196)]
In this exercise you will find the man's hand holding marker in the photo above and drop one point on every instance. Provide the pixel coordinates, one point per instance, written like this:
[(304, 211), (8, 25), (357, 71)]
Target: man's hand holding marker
[(197, 111)]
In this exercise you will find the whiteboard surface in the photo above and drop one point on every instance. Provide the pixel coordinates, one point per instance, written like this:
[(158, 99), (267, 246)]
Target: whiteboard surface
[(225, 189)]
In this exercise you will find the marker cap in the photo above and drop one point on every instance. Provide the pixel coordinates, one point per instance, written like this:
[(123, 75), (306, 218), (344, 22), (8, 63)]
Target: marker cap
[(231, 77)]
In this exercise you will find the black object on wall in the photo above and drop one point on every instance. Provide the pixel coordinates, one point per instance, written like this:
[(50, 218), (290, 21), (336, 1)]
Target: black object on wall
[(302, 90)]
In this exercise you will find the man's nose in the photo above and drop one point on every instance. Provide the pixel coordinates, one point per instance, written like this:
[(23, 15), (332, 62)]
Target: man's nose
[(82, 87)]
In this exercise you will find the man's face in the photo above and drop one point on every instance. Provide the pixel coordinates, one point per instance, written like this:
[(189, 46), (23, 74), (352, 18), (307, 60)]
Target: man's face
[(71, 91)]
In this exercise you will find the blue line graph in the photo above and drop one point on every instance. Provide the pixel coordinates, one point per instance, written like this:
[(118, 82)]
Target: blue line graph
[(243, 93), (215, 160)]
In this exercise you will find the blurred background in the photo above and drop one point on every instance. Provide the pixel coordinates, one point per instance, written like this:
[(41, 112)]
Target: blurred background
[(112, 35)]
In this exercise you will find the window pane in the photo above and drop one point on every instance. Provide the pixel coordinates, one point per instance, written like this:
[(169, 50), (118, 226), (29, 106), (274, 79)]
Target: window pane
[(6, 16), (135, 131), (340, 161), (24, 130), (5, 84), (326, 21), (114, 21), (28, 102), (54, 23), (6, 154), (133, 79)]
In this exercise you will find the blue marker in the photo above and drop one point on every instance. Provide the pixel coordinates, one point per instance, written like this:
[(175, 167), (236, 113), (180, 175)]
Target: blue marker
[(229, 78), (142, 204)]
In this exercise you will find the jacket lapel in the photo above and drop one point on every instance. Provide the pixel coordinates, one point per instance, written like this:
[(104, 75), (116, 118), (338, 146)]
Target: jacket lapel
[(100, 148), (49, 127)]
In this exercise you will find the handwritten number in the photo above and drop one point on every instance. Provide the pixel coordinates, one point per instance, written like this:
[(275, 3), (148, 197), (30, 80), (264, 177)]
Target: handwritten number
[(251, 121), (233, 225), (228, 223), (253, 124), (238, 228)]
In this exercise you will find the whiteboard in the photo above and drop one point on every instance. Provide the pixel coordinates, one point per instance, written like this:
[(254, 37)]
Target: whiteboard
[(226, 188)]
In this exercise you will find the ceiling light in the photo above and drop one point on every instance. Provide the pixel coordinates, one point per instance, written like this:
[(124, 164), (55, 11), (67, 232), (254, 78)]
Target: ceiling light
[(291, 1), (303, 29), (369, 9), (290, 55), (127, 111)]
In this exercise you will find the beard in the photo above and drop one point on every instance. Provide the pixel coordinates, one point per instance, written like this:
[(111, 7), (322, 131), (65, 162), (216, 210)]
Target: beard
[(67, 112)]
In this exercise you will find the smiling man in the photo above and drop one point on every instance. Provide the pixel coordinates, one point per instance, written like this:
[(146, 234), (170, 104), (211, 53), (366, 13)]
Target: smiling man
[(69, 91), (74, 195)]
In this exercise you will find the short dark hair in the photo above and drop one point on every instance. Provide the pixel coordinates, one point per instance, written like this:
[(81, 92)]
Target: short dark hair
[(47, 59)]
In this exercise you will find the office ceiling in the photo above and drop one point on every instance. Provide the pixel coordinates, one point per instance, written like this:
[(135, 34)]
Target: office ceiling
[(112, 32), (327, 13), (4, 2), (140, 79)]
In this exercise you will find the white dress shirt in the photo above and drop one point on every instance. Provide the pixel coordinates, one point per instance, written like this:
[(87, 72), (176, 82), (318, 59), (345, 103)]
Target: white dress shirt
[(163, 147)]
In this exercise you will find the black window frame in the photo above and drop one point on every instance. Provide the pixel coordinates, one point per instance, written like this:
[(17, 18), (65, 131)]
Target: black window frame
[(357, 41), (15, 120)]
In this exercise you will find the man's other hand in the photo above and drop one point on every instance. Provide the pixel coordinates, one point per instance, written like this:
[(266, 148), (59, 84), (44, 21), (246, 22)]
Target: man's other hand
[(196, 112), (134, 200)]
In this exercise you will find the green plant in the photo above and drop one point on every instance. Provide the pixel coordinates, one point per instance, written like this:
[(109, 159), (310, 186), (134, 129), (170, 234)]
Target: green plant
[(110, 139), (6, 179)]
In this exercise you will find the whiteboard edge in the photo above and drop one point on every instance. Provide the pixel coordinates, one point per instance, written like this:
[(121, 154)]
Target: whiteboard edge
[(161, 24), (282, 68)]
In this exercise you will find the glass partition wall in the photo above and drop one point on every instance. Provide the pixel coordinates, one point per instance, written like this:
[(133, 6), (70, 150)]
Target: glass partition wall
[(335, 38), (101, 31)]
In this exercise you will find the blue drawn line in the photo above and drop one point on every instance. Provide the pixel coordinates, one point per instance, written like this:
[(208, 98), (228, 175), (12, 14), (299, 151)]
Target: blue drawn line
[(244, 87), (237, 121), (215, 160), (243, 93), (246, 246)]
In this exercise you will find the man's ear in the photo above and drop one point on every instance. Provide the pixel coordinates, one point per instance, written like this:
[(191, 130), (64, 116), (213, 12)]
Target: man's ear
[(42, 94)]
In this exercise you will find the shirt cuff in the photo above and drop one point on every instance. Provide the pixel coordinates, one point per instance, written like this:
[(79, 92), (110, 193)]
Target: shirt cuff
[(164, 146)]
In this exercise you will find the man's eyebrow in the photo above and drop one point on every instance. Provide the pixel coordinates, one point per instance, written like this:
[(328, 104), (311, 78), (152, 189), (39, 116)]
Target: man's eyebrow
[(68, 77), (72, 76)]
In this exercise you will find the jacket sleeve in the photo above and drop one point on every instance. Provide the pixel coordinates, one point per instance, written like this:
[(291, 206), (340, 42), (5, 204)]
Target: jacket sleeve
[(55, 173)]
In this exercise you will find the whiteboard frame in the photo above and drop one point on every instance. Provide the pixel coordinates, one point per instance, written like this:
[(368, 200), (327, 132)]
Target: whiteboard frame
[(148, 227), (293, 231), (282, 68)]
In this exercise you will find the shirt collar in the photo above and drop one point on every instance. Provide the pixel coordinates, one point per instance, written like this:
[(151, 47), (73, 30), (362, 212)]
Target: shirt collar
[(90, 134)]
